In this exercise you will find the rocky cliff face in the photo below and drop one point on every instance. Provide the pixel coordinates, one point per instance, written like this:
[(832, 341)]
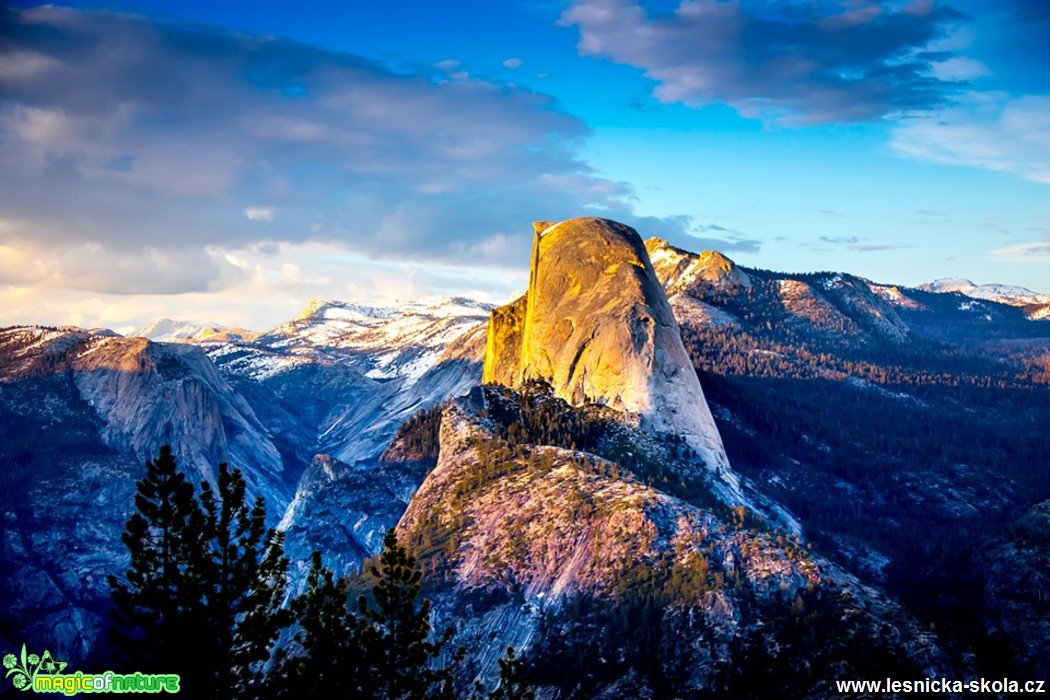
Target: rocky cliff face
[(149, 394), (1016, 568), (566, 554), (80, 413), (831, 303), (596, 325), (681, 270)]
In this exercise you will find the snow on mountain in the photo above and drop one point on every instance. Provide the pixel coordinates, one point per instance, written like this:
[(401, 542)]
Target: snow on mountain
[(381, 342), (680, 270), (1001, 293), (354, 372), (894, 295), (167, 330)]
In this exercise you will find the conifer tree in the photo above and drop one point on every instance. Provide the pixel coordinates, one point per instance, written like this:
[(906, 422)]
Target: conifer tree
[(385, 650), (263, 618), (243, 569), (151, 604), (512, 684), (329, 664), (203, 591), (395, 639)]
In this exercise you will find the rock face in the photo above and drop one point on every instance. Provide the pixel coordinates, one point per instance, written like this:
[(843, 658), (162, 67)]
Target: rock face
[(596, 325), (544, 548), (681, 270), (80, 412), (1016, 566)]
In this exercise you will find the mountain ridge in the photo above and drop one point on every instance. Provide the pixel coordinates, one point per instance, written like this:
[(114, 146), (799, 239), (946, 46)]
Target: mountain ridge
[(789, 363)]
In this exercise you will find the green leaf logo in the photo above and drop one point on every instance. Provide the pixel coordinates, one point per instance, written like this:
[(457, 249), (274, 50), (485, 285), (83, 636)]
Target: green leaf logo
[(23, 669)]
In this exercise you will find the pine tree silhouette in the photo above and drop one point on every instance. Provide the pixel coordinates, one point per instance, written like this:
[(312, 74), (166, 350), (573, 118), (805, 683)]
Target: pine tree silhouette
[(329, 664), (383, 651), (243, 569), (396, 639), (151, 604), (203, 591), (512, 684)]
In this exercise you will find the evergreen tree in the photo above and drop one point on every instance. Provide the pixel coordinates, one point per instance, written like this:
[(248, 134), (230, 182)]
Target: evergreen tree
[(382, 651), (512, 685), (395, 639), (263, 619), (329, 663), (243, 569), (204, 586), (151, 604)]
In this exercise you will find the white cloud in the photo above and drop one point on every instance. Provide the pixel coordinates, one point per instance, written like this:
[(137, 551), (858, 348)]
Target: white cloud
[(259, 213), (959, 68), (1030, 252), (161, 142), (993, 131), (263, 287), (513, 63), (795, 62)]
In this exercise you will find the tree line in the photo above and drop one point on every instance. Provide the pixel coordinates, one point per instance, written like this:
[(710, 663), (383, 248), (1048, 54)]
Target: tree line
[(205, 595)]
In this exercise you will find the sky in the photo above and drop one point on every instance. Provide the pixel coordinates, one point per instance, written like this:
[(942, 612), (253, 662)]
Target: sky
[(229, 161)]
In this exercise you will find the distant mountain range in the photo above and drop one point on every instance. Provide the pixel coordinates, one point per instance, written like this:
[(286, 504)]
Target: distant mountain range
[(1002, 293), (889, 441), (167, 330)]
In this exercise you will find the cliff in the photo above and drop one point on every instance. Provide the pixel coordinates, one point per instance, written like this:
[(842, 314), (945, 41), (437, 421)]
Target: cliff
[(595, 324)]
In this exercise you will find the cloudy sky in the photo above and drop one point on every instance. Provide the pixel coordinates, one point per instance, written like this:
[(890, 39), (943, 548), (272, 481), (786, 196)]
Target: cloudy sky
[(229, 161)]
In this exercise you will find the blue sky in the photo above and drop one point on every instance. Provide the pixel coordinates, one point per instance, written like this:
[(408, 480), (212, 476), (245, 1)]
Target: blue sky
[(230, 160)]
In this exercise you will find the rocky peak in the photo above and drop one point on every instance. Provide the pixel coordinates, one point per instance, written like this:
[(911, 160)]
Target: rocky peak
[(596, 325), (680, 270)]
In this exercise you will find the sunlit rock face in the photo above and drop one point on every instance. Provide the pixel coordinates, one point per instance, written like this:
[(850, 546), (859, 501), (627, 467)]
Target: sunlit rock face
[(517, 543), (679, 270), (596, 325)]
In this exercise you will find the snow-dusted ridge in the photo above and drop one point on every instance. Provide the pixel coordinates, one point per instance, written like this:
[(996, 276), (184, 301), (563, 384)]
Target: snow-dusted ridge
[(383, 341), (1002, 293), (357, 370), (167, 330)]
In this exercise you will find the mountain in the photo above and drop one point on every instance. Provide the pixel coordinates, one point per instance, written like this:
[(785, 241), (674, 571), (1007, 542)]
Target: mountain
[(80, 413), (1018, 565), (1036, 306), (597, 327), (1001, 293), (171, 331), (555, 522), (680, 270), (353, 373), (900, 426), (616, 582), (889, 443)]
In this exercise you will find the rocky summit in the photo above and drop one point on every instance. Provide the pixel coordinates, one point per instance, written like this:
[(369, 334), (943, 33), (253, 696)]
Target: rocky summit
[(596, 325)]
